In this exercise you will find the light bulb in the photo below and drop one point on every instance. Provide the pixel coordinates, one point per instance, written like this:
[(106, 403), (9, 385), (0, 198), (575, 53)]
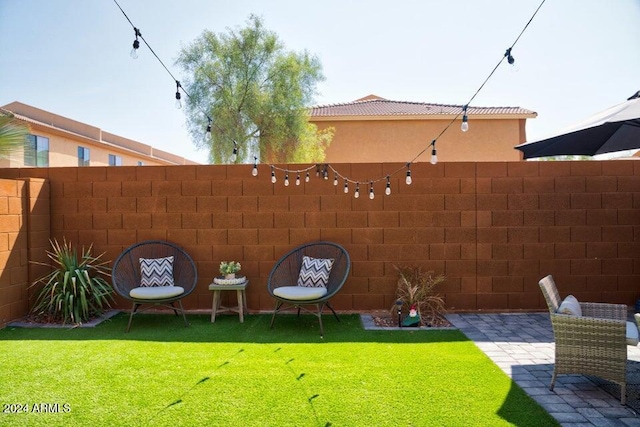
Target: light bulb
[(254, 172), (465, 125), (306, 178), (134, 51), (387, 190), (286, 180), (234, 155), (371, 194), (178, 102), (335, 179), (346, 186), (273, 176), (298, 179), (434, 157), (408, 180), (357, 193)]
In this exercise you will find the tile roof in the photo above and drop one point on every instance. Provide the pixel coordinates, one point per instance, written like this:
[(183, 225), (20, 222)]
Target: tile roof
[(376, 106)]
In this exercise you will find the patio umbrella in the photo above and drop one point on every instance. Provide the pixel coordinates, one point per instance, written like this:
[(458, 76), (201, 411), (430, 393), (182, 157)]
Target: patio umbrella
[(614, 129)]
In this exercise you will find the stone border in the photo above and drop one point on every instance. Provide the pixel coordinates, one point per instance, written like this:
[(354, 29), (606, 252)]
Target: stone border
[(370, 325), (90, 324)]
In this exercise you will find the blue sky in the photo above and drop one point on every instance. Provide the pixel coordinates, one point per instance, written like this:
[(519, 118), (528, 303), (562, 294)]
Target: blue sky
[(71, 57)]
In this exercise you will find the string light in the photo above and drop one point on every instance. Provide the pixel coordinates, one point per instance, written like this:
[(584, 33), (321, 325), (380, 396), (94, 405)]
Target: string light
[(178, 102), (136, 44), (408, 178), (234, 154), (434, 156), (510, 58), (371, 194), (387, 190), (357, 192), (346, 186), (325, 172), (254, 172), (273, 175), (298, 179), (286, 179), (465, 124), (307, 178), (335, 179)]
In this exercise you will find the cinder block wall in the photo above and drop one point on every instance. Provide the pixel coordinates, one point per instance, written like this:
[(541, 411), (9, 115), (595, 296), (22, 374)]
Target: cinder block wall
[(24, 235), (494, 229)]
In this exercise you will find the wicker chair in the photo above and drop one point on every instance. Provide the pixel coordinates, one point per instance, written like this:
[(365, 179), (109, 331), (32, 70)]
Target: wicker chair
[(127, 278), (283, 280), (592, 344)]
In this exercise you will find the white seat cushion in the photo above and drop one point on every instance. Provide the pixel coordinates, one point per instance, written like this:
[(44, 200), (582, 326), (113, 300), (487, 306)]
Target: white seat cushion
[(156, 292), (300, 293), (632, 333)]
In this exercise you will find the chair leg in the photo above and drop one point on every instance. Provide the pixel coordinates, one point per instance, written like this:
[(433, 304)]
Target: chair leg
[(133, 311), (298, 311), (333, 311), (174, 308), (553, 379), (320, 307), (184, 316), (275, 310)]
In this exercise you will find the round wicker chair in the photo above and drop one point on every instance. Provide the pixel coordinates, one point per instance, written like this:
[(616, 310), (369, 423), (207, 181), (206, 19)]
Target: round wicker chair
[(284, 286), (142, 288)]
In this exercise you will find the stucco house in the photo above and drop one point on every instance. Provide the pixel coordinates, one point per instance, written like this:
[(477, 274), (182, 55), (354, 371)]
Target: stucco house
[(374, 129), (55, 141)]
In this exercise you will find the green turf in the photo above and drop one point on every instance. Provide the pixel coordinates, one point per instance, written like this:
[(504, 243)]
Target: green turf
[(232, 374)]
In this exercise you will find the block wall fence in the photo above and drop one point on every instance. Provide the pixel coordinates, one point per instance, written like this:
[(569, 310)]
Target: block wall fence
[(494, 229)]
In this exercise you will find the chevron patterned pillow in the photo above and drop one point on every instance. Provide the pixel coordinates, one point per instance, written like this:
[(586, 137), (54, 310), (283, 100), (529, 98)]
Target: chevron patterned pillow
[(156, 271), (314, 272)]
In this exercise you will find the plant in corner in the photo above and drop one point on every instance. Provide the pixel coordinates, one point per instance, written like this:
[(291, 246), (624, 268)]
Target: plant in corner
[(416, 288), (76, 289)]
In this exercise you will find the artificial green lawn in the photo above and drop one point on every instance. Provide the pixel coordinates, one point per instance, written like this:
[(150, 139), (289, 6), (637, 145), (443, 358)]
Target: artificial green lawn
[(232, 374)]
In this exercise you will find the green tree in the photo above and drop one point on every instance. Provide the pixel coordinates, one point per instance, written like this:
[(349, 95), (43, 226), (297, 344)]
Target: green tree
[(256, 94), (13, 134)]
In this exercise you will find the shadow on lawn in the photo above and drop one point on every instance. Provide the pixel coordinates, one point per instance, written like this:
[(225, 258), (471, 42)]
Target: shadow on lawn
[(255, 329)]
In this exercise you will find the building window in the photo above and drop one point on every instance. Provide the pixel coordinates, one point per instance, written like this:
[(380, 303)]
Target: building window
[(36, 151), (83, 156), (115, 160)]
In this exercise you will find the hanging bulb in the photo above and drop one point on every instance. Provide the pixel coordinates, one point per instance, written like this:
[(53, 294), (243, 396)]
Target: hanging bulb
[(234, 155), (465, 125), (273, 175), (335, 179), (178, 102), (387, 190), (286, 179), (254, 172), (317, 170), (307, 178), (408, 180), (209, 125), (371, 194), (510, 59), (136, 45), (325, 173), (298, 179), (346, 186), (357, 193), (434, 156)]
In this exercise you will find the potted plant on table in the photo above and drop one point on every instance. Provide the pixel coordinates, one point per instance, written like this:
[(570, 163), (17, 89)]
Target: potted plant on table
[(229, 269)]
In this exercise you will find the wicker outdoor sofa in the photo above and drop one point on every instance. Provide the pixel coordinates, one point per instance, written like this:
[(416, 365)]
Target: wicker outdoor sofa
[(593, 342)]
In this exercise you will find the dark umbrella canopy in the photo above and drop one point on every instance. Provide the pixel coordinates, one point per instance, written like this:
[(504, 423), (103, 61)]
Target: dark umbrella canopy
[(615, 129)]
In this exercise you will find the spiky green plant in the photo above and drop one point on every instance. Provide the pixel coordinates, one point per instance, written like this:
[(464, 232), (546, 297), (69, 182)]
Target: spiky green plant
[(417, 288), (13, 134), (76, 289)]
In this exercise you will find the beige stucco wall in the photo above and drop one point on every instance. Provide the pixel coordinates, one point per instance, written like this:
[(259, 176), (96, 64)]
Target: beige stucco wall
[(401, 140)]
